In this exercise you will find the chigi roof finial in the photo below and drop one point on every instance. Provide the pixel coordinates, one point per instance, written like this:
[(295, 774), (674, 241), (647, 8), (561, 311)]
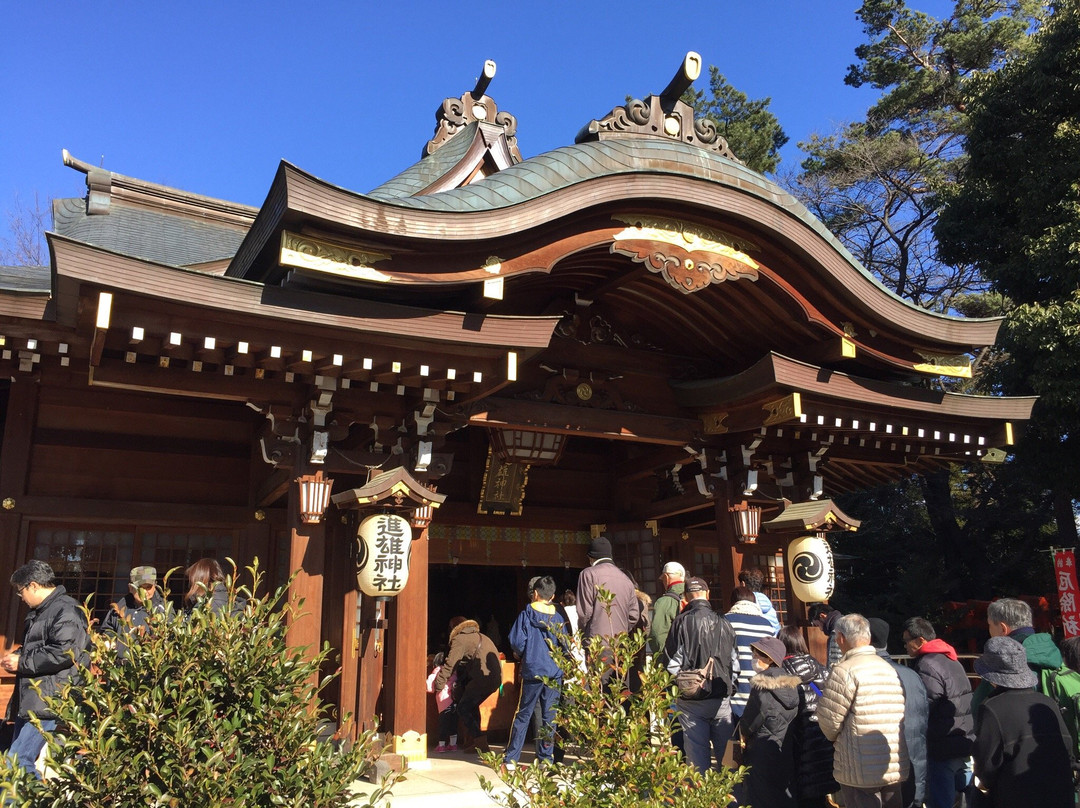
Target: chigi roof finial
[(454, 114)]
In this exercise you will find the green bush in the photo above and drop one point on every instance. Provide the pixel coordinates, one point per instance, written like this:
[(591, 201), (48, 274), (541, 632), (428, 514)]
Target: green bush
[(618, 747), (203, 710)]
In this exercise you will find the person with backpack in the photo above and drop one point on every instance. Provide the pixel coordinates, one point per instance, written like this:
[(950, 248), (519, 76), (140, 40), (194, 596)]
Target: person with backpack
[(1009, 617), (1063, 686), (700, 653), (1021, 742)]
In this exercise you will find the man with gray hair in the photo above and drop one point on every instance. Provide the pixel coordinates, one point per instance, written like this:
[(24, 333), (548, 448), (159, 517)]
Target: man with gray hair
[(861, 711), (1009, 617)]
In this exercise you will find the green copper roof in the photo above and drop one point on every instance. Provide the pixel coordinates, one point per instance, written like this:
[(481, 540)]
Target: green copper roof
[(580, 162), (420, 175)]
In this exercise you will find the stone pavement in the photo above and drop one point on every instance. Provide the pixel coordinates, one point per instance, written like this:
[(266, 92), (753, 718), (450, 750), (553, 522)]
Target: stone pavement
[(449, 780)]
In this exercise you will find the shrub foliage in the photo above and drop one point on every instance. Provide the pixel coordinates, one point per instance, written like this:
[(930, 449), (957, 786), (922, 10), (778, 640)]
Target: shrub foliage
[(618, 746), (206, 709)]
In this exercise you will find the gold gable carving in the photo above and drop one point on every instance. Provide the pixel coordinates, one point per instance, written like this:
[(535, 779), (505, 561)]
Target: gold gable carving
[(783, 409), (303, 252), (689, 257), (956, 366)]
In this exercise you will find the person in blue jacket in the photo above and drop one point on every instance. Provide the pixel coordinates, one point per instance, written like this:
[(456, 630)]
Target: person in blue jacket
[(537, 629)]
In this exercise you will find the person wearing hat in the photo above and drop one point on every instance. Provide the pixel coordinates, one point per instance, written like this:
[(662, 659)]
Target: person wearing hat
[(916, 716), (700, 639), (602, 619), (768, 743), (1021, 742), (131, 614), (668, 605)]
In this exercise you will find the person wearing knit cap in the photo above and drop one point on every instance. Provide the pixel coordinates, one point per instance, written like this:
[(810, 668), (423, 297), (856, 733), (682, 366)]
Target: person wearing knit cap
[(916, 716), (599, 619), (950, 730), (768, 746), (1022, 746)]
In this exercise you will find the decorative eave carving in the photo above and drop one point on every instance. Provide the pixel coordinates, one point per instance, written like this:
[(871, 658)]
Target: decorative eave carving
[(304, 252), (956, 366), (662, 116), (688, 257), (391, 488), (820, 514), (456, 113)]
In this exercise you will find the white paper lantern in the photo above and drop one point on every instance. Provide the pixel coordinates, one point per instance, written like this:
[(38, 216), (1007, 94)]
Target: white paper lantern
[(811, 573), (385, 547)]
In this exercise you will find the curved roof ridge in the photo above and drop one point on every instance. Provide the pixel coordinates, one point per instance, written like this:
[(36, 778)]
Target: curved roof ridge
[(581, 162), (428, 169)]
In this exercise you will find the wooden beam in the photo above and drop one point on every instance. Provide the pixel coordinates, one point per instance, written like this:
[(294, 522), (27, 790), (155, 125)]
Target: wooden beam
[(660, 460), (673, 506), (610, 424)]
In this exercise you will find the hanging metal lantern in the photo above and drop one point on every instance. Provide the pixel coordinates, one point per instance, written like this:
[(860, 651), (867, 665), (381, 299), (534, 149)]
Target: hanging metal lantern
[(811, 573), (384, 549)]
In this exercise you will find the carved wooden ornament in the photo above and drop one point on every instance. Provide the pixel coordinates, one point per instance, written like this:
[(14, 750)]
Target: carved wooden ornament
[(688, 257)]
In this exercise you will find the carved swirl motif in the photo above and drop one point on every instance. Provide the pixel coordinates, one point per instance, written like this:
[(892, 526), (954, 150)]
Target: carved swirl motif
[(647, 119), (456, 113), (807, 567), (689, 258), (507, 122)]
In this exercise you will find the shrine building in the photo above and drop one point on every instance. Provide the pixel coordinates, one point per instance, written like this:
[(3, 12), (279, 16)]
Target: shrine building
[(632, 335)]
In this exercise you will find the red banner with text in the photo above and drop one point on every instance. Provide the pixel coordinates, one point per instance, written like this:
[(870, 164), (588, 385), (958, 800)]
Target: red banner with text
[(1065, 573)]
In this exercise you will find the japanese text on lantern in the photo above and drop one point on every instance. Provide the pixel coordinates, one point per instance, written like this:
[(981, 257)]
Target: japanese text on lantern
[(389, 557), (1065, 572)]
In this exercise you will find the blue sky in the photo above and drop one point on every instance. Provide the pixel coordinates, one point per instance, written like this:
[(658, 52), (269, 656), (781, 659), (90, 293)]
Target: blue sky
[(210, 96)]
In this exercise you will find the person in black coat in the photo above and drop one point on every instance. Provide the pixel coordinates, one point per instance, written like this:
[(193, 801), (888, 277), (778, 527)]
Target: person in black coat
[(813, 751), (1022, 747), (55, 644), (765, 727)]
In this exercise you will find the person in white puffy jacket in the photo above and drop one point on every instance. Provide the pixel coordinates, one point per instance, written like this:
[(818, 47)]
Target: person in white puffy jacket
[(860, 711)]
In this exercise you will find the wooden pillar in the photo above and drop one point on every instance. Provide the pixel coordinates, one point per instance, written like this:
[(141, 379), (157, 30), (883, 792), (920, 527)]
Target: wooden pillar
[(307, 557), (369, 661), (731, 557), (407, 645), (14, 473)]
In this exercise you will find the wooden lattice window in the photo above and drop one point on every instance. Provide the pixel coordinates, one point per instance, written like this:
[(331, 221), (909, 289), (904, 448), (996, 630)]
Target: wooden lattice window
[(96, 562), (707, 565), (775, 580), (637, 552)]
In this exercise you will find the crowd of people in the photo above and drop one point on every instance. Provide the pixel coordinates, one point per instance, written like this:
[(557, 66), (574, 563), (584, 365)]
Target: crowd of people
[(56, 639), (856, 728)]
